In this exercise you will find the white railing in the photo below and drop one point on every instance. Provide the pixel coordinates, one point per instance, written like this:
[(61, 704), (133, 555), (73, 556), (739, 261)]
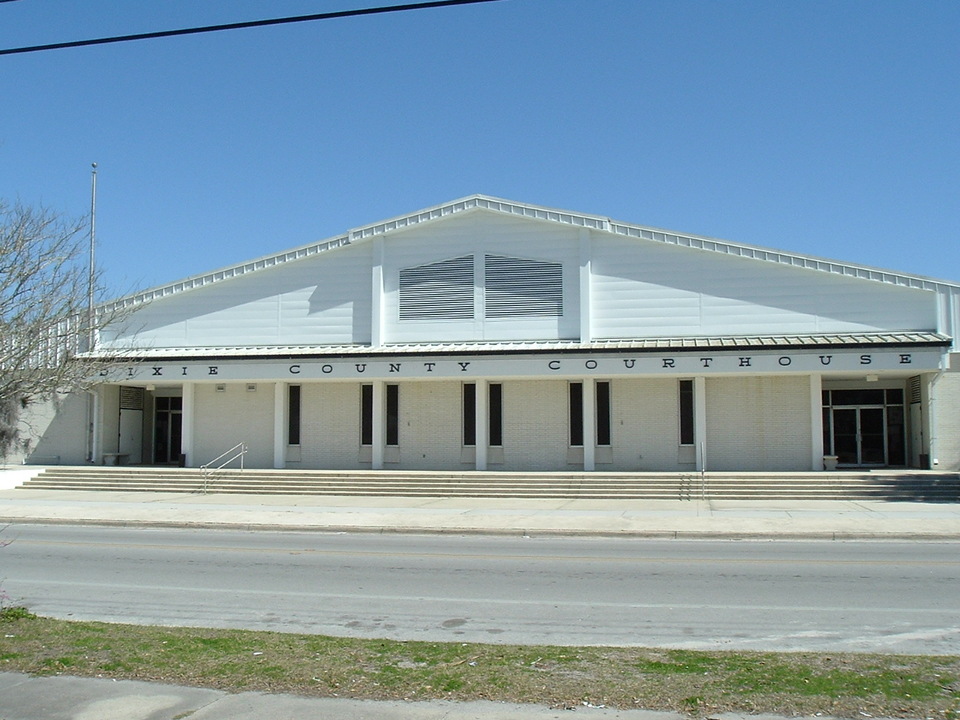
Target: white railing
[(211, 470)]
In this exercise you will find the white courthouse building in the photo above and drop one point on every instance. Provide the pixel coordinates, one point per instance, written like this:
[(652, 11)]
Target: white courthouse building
[(495, 335)]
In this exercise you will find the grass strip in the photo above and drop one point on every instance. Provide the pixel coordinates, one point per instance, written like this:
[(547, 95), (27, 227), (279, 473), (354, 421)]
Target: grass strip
[(698, 683)]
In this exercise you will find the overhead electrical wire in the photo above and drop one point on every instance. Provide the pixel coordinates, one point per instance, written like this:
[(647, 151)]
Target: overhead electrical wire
[(241, 25)]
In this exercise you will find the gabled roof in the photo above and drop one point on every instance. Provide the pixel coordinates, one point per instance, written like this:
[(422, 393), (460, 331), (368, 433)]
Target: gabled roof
[(535, 212)]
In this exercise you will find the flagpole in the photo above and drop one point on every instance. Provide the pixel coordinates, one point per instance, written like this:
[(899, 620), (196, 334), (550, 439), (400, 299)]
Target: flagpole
[(93, 245), (93, 406)]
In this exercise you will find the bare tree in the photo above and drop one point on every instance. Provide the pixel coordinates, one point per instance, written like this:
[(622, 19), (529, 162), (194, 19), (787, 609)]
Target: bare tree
[(45, 321)]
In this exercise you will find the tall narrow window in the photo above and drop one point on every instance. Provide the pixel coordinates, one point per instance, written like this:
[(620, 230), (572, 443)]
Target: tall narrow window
[(366, 414), (603, 412), (495, 409), (576, 414), (293, 415), (686, 412), (469, 414), (393, 414)]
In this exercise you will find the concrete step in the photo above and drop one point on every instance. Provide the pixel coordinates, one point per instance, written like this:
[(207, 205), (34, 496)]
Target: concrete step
[(908, 485)]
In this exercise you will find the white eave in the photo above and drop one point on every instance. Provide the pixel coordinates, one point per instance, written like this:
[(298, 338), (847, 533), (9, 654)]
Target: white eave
[(534, 212), (771, 342)]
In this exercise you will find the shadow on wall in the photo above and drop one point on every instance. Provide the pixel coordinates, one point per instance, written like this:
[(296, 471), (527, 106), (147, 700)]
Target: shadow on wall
[(49, 430)]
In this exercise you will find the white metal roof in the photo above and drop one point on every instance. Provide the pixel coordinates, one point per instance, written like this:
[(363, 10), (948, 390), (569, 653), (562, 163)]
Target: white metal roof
[(648, 344), (534, 212)]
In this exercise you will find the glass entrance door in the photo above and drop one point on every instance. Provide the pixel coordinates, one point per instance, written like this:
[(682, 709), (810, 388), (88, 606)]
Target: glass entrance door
[(859, 436), (167, 430)]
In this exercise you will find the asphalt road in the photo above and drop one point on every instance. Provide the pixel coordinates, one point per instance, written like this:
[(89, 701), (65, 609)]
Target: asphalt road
[(814, 595)]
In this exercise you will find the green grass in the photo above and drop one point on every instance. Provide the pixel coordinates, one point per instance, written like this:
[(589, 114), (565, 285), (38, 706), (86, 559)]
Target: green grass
[(697, 683)]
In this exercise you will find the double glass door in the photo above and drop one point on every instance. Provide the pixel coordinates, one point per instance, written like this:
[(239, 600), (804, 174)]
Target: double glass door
[(864, 427), (859, 436)]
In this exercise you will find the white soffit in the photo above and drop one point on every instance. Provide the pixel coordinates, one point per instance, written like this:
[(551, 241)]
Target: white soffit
[(534, 212)]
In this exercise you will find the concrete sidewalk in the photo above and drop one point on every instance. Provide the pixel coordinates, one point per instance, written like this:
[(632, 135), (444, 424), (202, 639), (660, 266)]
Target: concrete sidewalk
[(647, 518), (23, 697)]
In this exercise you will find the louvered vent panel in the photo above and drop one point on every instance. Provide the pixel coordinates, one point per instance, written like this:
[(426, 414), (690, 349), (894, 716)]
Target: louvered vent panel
[(441, 290), (913, 389), (523, 288), (131, 398)]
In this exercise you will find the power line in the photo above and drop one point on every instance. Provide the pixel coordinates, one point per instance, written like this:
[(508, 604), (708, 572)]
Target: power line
[(241, 25)]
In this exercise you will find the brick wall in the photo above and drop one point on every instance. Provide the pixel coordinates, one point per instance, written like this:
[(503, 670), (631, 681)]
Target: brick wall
[(534, 425), (330, 426), (758, 423), (645, 425), (947, 422), (223, 419), (430, 426)]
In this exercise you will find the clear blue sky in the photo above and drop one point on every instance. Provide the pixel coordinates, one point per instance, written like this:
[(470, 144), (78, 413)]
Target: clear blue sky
[(824, 127)]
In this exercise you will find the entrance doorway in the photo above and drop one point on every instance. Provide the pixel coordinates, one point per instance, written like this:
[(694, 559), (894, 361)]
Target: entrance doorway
[(130, 441), (864, 428), (167, 429), (858, 436)]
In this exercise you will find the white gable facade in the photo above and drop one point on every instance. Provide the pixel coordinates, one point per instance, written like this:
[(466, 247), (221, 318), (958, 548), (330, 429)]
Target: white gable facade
[(492, 335)]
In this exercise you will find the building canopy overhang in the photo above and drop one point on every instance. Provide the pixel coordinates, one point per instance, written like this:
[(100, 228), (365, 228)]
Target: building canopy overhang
[(855, 353)]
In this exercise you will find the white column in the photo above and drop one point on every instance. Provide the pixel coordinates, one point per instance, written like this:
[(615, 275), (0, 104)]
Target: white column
[(376, 319), (589, 425), (482, 423), (95, 426), (700, 420), (187, 425), (816, 422), (586, 331), (279, 425), (379, 424)]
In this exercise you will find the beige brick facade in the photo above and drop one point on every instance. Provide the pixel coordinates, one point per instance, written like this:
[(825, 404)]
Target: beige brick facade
[(233, 415), (758, 423), (645, 426), (946, 410)]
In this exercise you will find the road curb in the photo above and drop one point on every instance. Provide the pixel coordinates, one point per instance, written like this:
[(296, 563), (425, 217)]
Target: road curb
[(813, 535)]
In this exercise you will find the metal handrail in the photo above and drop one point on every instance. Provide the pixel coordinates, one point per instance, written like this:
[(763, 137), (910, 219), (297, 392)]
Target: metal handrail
[(237, 451), (703, 473)]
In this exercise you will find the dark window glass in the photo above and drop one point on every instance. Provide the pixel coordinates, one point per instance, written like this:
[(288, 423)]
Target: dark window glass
[(576, 414), (896, 445), (293, 417), (393, 414), (894, 397), (826, 397), (176, 403), (827, 432), (857, 397), (366, 414), (469, 414), (686, 412), (495, 409), (603, 413)]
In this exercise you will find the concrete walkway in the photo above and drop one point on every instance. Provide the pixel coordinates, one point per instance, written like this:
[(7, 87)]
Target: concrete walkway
[(643, 518), (23, 697), (67, 698)]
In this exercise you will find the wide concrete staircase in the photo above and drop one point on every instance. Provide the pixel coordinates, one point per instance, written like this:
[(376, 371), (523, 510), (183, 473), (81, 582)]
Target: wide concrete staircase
[(912, 486)]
